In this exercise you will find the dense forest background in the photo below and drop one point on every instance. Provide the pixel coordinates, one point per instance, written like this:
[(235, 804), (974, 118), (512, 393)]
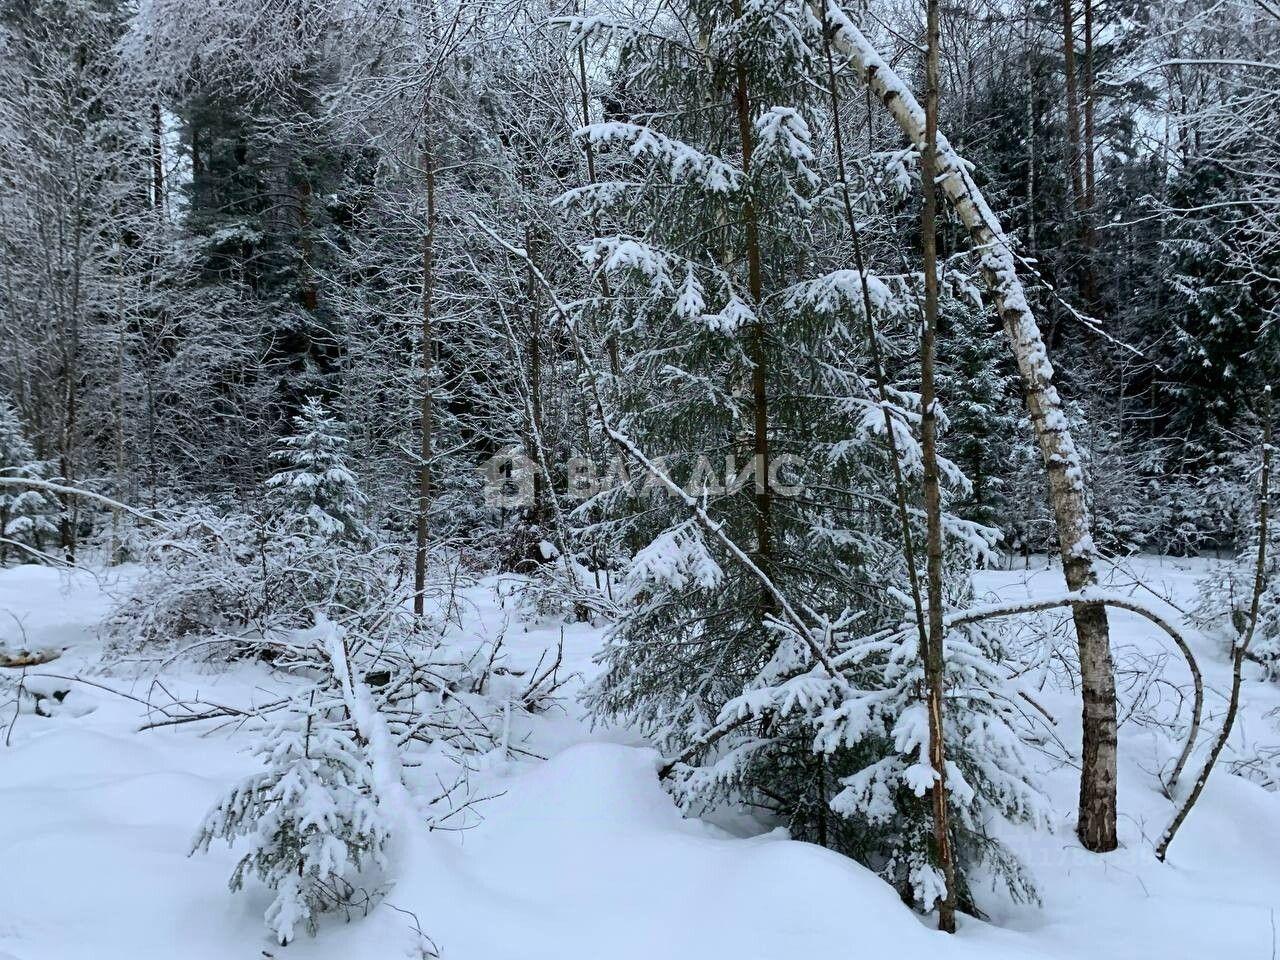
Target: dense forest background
[(211, 213)]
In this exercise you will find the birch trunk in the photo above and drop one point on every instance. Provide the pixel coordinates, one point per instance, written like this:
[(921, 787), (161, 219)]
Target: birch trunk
[(1097, 819)]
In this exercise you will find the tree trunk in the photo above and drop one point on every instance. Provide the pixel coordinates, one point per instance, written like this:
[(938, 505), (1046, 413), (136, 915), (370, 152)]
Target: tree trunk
[(1031, 140), (1073, 103), (197, 163), (1097, 821), (1089, 289), (873, 346), (1081, 188), (115, 554), (307, 284), (1087, 82), (424, 412), (67, 520), (537, 454), (934, 655), (755, 286), (610, 340), (157, 158)]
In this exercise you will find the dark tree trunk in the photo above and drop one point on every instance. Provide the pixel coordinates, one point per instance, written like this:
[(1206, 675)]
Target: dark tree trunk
[(934, 655), (759, 370), (424, 413)]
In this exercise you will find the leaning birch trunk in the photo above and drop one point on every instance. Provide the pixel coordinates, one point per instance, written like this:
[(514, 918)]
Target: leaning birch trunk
[(1097, 818)]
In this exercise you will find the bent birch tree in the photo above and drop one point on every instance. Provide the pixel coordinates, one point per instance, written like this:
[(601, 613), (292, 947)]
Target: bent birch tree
[(1096, 824)]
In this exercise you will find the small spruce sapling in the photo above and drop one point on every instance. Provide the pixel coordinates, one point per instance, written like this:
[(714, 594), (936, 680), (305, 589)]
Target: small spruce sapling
[(311, 816), (26, 516), (315, 492)]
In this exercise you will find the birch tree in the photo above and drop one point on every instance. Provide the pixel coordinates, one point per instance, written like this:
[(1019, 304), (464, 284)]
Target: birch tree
[(1097, 811)]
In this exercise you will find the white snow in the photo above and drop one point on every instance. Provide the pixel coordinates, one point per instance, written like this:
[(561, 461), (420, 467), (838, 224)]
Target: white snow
[(583, 856)]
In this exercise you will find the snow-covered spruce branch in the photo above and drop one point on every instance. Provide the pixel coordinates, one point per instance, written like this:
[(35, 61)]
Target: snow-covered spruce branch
[(680, 160)]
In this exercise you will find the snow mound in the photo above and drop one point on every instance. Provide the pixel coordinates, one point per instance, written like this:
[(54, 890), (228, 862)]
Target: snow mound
[(585, 856)]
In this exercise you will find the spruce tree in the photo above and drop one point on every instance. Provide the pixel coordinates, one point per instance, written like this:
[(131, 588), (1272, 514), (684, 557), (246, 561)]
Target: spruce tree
[(738, 321), (28, 516), (982, 410), (315, 492), (311, 815)]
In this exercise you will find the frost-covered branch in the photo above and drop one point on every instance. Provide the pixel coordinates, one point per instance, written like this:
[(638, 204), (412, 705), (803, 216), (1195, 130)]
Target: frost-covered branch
[(35, 483)]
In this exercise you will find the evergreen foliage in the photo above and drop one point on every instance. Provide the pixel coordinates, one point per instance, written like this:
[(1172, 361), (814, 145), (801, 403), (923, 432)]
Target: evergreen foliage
[(311, 816), (26, 516), (837, 760), (314, 492)]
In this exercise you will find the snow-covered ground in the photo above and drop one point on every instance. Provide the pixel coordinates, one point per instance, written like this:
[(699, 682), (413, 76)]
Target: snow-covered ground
[(581, 856)]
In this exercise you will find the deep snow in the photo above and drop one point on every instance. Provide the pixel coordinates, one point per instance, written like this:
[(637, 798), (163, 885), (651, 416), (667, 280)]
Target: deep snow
[(582, 856)]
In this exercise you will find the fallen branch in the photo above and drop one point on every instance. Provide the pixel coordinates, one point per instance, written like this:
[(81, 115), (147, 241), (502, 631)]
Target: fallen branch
[(83, 494)]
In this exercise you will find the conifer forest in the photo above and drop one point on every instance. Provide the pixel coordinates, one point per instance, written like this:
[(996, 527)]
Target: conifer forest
[(633, 479)]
